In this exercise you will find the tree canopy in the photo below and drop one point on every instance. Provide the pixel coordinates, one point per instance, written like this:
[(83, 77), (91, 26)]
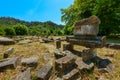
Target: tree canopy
[(107, 10), (32, 28)]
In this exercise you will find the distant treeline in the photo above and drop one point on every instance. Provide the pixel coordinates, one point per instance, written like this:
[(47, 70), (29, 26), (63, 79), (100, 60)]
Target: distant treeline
[(12, 26)]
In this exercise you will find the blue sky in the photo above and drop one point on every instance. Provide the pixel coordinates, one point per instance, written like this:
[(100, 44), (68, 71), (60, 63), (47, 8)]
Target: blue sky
[(34, 10)]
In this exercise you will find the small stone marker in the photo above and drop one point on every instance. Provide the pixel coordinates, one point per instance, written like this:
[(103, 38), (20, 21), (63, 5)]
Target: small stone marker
[(8, 52), (31, 62), (25, 75), (11, 63), (71, 75), (58, 44), (44, 72)]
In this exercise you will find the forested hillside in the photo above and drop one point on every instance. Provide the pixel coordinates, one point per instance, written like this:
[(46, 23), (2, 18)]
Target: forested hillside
[(10, 26)]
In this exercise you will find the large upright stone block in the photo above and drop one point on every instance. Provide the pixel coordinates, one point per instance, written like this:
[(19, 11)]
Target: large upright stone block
[(87, 26)]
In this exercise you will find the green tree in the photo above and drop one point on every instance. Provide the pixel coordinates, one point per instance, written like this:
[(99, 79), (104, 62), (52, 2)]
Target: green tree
[(9, 31), (21, 29), (107, 10)]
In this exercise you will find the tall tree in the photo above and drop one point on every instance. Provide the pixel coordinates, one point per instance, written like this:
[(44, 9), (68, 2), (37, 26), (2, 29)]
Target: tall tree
[(107, 10)]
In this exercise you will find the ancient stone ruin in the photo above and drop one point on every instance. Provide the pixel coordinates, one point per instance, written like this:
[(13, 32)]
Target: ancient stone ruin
[(72, 65), (67, 63)]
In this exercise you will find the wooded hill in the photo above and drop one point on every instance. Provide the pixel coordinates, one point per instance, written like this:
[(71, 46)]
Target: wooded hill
[(33, 28)]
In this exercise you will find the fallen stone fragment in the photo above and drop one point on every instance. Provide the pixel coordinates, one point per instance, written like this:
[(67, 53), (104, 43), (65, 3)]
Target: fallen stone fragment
[(11, 63), (65, 63), (46, 40), (25, 75), (8, 52), (31, 62), (106, 66), (44, 72), (71, 75), (82, 66), (58, 54), (6, 41), (114, 46)]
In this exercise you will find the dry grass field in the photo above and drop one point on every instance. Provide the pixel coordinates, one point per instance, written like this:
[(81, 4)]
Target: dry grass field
[(41, 49)]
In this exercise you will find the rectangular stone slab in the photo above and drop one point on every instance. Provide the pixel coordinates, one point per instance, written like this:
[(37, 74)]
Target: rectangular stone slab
[(88, 42), (31, 61), (11, 63), (44, 72)]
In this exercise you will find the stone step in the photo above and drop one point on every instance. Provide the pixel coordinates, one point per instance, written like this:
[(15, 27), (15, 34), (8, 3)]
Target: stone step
[(44, 72)]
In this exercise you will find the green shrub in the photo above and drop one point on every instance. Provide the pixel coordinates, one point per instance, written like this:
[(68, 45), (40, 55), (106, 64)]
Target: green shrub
[(9, 31), (2, 32), (21, 29)]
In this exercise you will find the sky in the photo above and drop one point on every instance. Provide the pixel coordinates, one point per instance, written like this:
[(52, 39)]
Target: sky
[(34, 10)]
